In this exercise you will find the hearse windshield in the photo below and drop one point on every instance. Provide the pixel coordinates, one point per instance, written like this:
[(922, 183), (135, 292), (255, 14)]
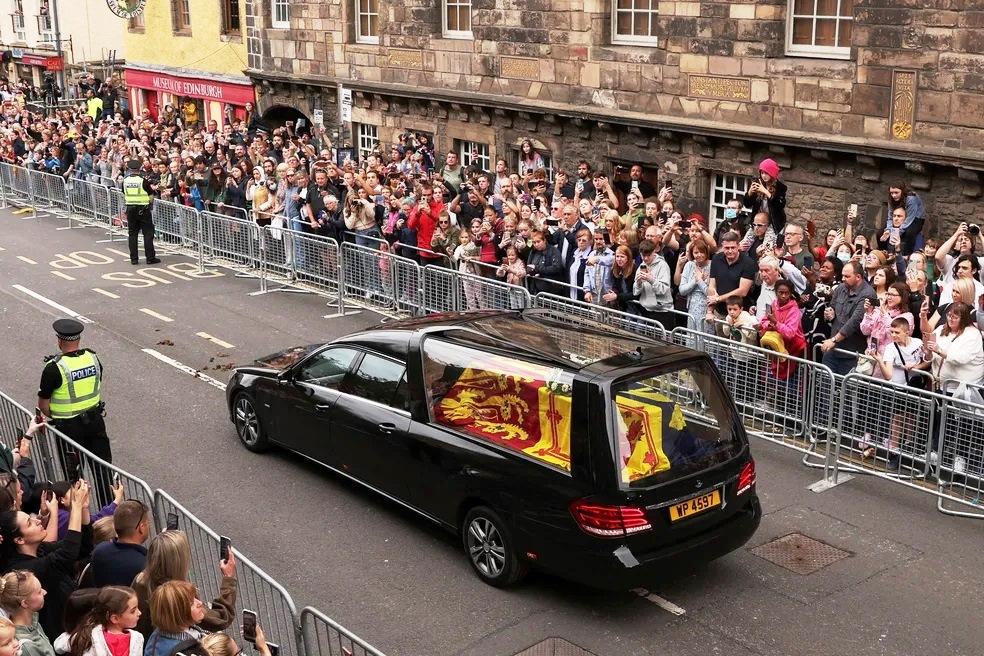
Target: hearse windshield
[(672, 424)]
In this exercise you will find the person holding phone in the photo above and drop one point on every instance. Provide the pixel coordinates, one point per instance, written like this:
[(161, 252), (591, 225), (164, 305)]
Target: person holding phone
[(768, 194), (221, 644), (177, 612), (169, 559), (23, 546)]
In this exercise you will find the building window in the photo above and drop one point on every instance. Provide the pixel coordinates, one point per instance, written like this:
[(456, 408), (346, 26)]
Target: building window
[(230, 16), (281, 14), (368, 139), (473, 152), (725, 187), (45, 30), (17, 20), (367, 21), (820, 28), (457, 19), (180, 16), (634, 21)]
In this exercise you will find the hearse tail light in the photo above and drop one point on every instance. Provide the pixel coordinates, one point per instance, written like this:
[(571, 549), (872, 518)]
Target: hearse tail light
[(609, 521), (746, 479)]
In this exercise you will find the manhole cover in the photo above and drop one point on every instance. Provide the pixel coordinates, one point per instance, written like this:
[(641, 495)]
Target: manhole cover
[(555, 647), (799, 553)]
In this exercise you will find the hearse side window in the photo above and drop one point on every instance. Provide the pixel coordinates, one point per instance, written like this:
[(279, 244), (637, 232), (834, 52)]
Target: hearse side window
[(671, 425), (326, 369), (518, 405), (376, 379)]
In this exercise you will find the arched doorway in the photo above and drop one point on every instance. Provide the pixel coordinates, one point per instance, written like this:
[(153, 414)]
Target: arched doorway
[(278, 115)]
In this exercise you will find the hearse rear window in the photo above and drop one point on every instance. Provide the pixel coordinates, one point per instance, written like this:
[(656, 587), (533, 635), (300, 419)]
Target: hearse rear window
[(671, 425), (522, 406)]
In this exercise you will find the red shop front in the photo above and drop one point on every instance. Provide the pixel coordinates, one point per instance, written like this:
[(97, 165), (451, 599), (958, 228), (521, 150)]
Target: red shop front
[(196, 99)]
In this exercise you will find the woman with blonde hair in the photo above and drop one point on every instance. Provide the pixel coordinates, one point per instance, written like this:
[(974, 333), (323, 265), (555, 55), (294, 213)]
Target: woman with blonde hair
[(21, 598), (169, 559), (220, 644)]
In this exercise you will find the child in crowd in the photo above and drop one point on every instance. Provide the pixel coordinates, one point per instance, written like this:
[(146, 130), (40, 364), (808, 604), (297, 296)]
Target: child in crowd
[(108, 628), (21, 597), (900, 363)]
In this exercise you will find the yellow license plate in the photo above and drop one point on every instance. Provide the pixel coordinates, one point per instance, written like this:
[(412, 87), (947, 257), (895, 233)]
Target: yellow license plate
[(695, 505)]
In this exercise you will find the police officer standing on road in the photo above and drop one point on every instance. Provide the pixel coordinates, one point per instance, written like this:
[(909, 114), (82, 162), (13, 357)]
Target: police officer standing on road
[(70, 391), (137, 195)]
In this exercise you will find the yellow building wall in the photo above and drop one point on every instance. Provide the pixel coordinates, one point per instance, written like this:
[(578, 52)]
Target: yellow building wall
[(205, 49)]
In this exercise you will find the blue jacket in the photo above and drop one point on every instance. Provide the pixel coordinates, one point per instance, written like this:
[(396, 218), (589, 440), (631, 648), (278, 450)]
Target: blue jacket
[(163, 644), (117, 563)]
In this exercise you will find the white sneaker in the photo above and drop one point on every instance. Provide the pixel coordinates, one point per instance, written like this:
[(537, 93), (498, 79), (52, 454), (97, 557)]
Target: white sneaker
[(934, 458), (959, 465)]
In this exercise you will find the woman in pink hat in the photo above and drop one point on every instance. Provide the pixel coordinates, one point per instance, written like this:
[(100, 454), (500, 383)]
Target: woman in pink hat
[(768, 194)]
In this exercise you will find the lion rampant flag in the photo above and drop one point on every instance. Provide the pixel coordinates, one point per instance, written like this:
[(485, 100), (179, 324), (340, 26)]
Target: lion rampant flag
[(640, 431), (519, 411)]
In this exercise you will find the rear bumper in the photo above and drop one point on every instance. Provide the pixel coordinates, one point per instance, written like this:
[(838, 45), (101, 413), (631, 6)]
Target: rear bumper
[(618, 568)]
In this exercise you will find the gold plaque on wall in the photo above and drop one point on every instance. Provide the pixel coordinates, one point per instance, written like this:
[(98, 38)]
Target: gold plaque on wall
[(726, 88), (903, 104)]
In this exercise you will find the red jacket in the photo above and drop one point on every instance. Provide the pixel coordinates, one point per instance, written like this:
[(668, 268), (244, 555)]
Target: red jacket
[(424, 221)]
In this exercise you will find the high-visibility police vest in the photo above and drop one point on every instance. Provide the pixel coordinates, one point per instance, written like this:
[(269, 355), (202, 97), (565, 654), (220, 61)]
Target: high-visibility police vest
[(79, 390), (134, 192)]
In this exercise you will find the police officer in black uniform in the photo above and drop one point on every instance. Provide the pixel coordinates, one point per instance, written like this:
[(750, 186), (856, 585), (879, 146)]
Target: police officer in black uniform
[(70, 393), (138, 195)]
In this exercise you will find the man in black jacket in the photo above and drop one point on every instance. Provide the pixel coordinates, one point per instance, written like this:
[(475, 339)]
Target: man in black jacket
[(544, 266)]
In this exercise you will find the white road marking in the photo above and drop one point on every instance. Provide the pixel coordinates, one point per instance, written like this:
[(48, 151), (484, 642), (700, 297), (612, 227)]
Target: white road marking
[(26, 259), (156, 315), (668, 606), (216, 340), (104, 292), (118, 252), (2, 249), (47, 301), (62, 275), (185, 368)]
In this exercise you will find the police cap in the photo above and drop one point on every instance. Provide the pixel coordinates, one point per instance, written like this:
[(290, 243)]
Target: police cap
[(133, 165), (68, 330)]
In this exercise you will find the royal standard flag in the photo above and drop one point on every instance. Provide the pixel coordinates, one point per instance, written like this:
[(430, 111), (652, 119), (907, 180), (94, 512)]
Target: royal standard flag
[(518, 410)]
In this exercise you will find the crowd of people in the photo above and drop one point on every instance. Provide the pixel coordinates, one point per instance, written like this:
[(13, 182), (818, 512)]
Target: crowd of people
[(888, 302), (74, 582)]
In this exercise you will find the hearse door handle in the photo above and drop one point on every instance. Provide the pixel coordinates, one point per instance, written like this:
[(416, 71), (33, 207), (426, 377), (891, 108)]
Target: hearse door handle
[(322, 409), (387, 429)]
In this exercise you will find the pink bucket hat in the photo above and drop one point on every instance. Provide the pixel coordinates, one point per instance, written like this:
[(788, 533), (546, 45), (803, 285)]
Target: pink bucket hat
[(771, 167)]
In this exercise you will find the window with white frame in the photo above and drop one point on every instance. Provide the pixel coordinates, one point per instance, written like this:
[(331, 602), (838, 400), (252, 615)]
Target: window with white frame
[(725, 187), (368, 138), (820, 28), (457, 19), (473, 152), (17, 20), (634, 21), (281, 14), (367, 21), (45, 29)]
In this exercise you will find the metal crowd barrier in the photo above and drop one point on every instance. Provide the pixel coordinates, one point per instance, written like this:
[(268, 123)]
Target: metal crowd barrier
[(602, 314), (229, 241), (258, 591), (47, 453), (324, 636)]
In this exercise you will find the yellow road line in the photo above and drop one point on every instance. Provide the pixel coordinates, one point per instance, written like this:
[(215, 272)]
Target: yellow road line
[(104, 292), (26, 259), (62, 275), (156, 315), (216, 340)]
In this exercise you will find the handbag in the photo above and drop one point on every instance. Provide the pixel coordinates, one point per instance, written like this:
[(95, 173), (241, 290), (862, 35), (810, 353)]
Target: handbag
[(865, 365), (277, 227), (915, 382)]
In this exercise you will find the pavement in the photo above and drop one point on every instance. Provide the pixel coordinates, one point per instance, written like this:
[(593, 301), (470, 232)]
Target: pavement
[(910, 582)]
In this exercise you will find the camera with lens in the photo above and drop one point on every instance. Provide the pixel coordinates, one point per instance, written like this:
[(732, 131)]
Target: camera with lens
[(974, 229)]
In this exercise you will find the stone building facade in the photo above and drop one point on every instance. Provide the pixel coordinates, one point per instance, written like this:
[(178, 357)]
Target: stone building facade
[(848, 95)]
